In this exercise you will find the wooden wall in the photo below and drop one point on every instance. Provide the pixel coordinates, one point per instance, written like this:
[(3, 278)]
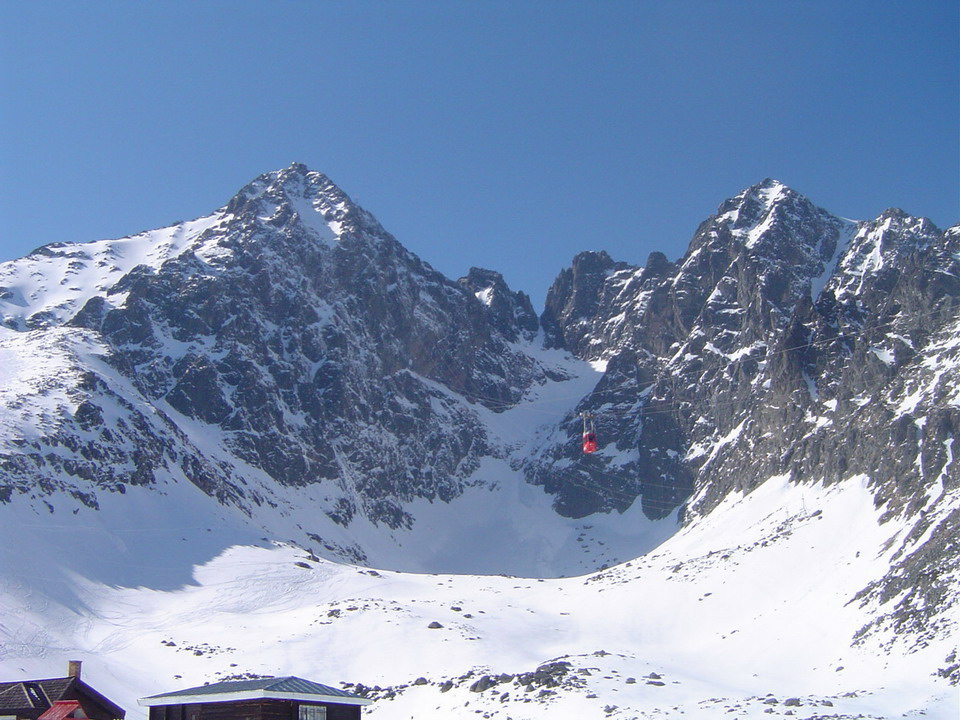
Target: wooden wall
[(249, 710)]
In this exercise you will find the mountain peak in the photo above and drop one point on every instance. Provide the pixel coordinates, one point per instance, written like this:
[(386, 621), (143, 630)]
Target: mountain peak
[(295, 181), (510, 312), (757, 201), (299, 168), (298, 194), (299, 179), (770, 183), (772, 210)]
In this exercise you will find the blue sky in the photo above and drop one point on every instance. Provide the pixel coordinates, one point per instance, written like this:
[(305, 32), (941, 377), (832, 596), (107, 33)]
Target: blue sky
[(502, 134)]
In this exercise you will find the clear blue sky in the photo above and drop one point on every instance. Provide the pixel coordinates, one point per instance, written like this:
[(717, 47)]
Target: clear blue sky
[(508, 134)]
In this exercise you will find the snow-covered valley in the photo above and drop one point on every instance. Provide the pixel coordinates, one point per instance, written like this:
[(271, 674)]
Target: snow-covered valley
[(272, 441), (751, 615)]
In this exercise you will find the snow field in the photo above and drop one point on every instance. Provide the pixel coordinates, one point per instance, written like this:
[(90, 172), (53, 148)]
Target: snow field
[(57, 280), (726, 613), (749, 613)]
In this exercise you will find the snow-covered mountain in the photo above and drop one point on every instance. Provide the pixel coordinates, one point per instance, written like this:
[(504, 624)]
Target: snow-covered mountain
[(777, 413), (786, 343), (293, 361)]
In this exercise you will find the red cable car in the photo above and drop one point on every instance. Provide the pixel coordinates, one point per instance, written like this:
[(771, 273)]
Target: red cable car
[(589, 442), (589, 434)]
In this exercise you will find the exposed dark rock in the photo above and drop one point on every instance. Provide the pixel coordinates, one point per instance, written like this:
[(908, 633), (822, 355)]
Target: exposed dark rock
[(300, 339), (320, 360), (484, 683)]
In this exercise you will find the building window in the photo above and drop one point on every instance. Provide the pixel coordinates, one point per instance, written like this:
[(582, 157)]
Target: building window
[(313, 712)]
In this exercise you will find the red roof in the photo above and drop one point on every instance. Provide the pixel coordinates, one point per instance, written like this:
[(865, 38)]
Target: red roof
[(60, 710)]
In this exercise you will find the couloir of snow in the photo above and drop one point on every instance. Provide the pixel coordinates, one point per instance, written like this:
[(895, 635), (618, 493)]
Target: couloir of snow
[(749, 606)]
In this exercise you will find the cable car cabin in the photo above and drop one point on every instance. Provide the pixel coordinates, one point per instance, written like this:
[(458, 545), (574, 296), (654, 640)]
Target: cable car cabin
[(589, 433), (589, 442)]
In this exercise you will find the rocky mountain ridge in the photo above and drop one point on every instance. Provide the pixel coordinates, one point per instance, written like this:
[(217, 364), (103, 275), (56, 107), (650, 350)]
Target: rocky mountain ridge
[(288, 344), (283, 370), (310, 343), (786, 343)]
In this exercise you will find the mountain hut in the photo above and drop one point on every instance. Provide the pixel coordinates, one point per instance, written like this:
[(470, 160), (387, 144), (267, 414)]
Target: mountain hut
[(278, 698), (56, 699)]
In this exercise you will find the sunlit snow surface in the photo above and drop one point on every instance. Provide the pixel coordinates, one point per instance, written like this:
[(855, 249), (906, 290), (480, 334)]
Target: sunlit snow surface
[(731, 617), (747, 613), (52, 283)]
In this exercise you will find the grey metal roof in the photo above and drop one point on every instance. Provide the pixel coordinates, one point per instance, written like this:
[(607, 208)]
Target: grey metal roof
[(288, 684)]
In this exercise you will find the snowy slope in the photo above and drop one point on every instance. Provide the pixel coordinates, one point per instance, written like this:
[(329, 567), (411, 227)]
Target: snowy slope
[(478, 531), (198, 423), (730, 616), (51, 284)]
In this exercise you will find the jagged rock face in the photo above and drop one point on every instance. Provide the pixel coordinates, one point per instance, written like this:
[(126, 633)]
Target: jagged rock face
[(768, 349), (314, 348), (289, 340), (786, 342), (681, 339), (574, 301), (511, 314)]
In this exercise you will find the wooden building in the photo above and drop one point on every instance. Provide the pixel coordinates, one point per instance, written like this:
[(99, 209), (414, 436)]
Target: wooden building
[(282, 698), (56, 699)]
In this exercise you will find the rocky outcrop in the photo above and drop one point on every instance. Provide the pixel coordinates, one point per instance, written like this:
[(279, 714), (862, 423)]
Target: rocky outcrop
[(310, 346), (288, 342), (786, 341)]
